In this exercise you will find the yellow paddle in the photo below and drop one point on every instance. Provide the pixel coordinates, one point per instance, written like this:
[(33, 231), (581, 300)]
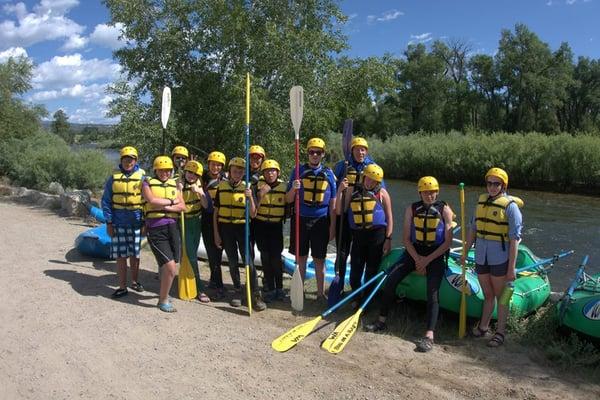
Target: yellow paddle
[(462, 322), (186, 280), (247, 227)]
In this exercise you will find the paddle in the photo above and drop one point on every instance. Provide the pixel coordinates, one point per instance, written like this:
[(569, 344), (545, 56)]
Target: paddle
[(564, 304), (336, 286), (545, 261), (296, 111), (342, 334), (165, 112), (186, 280), (247, 227), (299, 332), (462, 322)]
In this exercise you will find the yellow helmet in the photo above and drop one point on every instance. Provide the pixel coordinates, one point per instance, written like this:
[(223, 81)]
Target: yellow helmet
[(358, 141), (268, 164), (194, 167), (316, 142), (237, 162), (256, 149), (498, 173), (374, 172), (428, 183), (162, 162), (128, 151), (180, 150), (217, 156)]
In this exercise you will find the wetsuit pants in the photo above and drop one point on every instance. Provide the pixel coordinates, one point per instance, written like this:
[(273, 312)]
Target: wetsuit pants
[(269, 239), (214, 254), (366, 254), (192, 240), (233, 238), (342, 243)]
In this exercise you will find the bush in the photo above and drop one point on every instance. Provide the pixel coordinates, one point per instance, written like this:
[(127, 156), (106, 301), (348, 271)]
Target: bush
[(44, 158)]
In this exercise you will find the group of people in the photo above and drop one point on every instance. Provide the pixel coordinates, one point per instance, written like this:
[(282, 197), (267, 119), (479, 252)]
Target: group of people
[(349, 203)]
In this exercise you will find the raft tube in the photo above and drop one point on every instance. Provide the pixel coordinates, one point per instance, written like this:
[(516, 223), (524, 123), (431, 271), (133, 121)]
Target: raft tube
[(94, 242), (582, 312), (289, 267)]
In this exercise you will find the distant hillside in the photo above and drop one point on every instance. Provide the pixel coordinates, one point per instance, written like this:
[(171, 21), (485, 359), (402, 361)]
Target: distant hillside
[(78, 128)]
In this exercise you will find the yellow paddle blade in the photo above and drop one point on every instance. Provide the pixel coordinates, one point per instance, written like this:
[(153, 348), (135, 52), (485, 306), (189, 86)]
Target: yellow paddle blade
[(294, 335), (186, 281), (248, 290), (297, 291), (342, 334)]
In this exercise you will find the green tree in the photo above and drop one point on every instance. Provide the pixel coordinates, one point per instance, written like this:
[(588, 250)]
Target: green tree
[(61, 126)]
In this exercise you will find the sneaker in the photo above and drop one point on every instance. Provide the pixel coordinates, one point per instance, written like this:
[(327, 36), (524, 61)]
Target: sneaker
[(280, 295), (137, 286), (376, 326), (258, 303), (237, 298), (270, 296), (424, 345), (119, 293), (235, 302)]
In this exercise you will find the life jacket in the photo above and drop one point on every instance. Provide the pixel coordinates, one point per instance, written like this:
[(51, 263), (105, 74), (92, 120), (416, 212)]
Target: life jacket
[(491, 219), (231, 202), (428, 227), (256, 177), (164, 190), (314, 186), (193, 205), (272, 204), (366, 209), (353, 176), (210, 185), (127, 190)]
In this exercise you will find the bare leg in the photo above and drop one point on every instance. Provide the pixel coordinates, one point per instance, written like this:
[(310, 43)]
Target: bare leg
[(122, 272), (134, 263), (167, 274), (320, 274), (498, 283), (302, 266), (489, 300)]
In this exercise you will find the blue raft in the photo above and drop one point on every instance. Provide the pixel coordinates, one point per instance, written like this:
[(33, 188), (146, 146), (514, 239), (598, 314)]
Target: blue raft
[(289, 266), (94, 242)]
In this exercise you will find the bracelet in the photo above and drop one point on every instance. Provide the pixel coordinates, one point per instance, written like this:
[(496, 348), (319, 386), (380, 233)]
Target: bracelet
[(388, 238)]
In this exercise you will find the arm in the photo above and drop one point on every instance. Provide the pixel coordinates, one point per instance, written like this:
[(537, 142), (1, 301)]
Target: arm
[(178, 204), (215, 217), (389, 219), (515, 225), (252, 205), (332, 208), (406, 233), (158, 201), (107, 200), (197, 188), (342, 189), (447, 216)]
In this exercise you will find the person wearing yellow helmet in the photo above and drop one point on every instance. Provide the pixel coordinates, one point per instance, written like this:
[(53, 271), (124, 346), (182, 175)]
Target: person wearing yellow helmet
[(257, 156), (268, 228), (229, 220), (195, 201), (122, 209), (164, 202), (351, 168), (180, 156), (427, 233), (371, 221), (317, 190), (496, 232), (211, 178)]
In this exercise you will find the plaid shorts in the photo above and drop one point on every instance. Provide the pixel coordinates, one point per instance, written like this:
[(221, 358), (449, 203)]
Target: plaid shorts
[(125, 242)]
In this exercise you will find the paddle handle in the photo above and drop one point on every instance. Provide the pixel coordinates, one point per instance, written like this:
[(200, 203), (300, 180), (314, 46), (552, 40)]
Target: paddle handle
[(545, 261)]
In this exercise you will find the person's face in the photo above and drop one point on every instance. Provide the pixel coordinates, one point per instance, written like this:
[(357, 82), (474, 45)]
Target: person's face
[(128, 163), (315, 155), (429, 196), (271, 175), (179, 160), (359, 153), (369, 183), (215, 167), (190, 177), (163, 174), (255, 161), (236, 173), (494, 185)]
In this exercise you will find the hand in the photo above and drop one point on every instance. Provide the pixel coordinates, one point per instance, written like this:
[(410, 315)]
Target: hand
[(218, 241), (110, 230), (198, 189), (387, 246), (420, 265), (343, 184), (264, 189), (510, 274), (248, 192), (297, 184)]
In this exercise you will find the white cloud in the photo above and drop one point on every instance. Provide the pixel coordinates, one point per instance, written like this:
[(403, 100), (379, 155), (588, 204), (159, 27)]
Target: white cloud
[(89, 93), (108, 36), (12, 52), (66, 71), (422, 38), (385, 16), (95, 114), (74, 42), (46, 22)]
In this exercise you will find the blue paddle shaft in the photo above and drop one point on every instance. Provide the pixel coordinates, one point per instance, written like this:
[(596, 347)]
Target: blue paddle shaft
[(352, 295), (545, 261), (368, 299), (577, 276)]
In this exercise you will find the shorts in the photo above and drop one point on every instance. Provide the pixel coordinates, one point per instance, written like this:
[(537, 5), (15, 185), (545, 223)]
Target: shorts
[(125, 242), (165, 242), (495, 270), (314, 232)]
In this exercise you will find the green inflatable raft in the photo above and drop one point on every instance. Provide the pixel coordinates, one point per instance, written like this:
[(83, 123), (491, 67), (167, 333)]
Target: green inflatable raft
[(579, 309), (532, 288)]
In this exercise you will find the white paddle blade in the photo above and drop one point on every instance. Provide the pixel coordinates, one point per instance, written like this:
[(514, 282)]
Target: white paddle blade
[(297, 291), (296, 108), (166, 106)]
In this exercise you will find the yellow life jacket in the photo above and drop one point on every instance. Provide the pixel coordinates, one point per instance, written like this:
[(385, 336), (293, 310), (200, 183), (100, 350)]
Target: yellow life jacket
[(428, 226), (164, 190), (231, 202), (366, 209), (193, 205), (272, 204), (127, 190), (353, 176), (314, 187), (490, 218)]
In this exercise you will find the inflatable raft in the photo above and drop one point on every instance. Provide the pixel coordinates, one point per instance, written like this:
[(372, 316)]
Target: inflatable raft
[(94, 242), (532, 288), (289, 266)]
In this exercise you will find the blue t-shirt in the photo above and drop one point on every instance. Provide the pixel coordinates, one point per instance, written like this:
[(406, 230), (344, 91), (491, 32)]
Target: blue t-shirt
[(338, 169), (120, 217), (322, 209)]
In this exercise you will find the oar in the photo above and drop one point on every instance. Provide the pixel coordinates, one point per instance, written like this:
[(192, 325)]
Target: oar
[(336, 286), (462, 322), (164, 115), (342, 334), (247, 227), (186, 280), (459, 255), (296, 111), (545, 261), (564, 304), (299, 332)]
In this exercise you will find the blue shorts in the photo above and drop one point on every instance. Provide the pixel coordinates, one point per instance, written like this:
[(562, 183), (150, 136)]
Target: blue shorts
[(125, 242), (495, 270)]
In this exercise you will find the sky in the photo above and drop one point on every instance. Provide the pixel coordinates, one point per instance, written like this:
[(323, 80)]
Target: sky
[(71, 42)]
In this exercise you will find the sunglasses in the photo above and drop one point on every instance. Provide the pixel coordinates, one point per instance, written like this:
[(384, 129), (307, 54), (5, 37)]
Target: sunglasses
[(494, 184), (179, 158), (315, 152)]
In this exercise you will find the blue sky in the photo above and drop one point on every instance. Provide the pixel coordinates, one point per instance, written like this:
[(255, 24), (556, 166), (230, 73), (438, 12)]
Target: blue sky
[(71, 43)]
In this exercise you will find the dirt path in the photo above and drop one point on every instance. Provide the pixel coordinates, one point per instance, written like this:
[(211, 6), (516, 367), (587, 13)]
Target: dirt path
[(63, 337)]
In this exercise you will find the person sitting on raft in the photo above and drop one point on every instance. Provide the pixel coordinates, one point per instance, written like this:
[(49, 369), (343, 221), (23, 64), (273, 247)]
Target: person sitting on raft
[(427, 235)]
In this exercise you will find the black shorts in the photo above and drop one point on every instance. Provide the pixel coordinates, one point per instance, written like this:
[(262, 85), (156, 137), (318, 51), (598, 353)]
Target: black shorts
[(314, 233), (165, 242), (495, 270)]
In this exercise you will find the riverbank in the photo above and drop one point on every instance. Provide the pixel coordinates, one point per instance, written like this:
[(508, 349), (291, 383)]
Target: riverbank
[(64, 337)]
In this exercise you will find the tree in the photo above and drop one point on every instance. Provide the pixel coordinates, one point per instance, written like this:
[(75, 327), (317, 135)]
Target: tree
[(61, 126)]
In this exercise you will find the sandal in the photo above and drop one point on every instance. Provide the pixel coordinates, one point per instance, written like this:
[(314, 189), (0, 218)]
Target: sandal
[(497, 340), (119, 293), (203, 298), (376, 326), (477, 332), (166, 307), (137, 286), (424, 345)]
